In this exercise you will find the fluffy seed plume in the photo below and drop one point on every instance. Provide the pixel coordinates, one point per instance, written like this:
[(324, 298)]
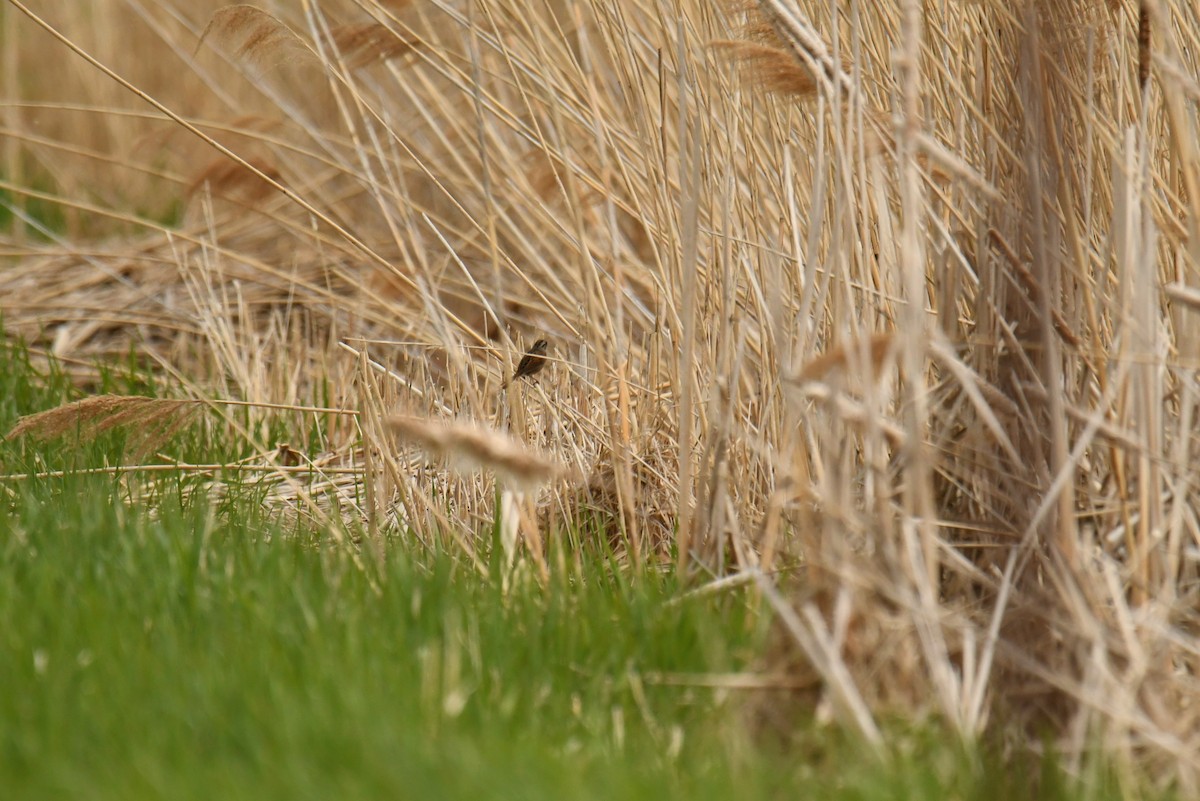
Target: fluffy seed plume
[(473, 447), (366, 44), (226, 178), (150, 421), (772, 68), (254, 36), (875, 349)]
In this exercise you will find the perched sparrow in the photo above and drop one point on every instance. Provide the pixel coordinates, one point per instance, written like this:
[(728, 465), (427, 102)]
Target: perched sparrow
[(531, 363)]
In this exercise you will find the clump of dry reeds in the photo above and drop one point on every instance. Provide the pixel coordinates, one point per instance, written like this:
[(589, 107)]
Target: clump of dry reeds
[(899, 320)]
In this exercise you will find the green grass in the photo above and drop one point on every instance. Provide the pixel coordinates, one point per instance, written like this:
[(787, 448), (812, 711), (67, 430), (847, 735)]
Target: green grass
[(177, 649), (186, 655)]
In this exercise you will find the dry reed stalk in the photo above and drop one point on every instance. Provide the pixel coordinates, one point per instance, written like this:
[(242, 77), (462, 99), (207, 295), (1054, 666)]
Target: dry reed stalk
[(1034, 324), (13, 157), (1143, 42)]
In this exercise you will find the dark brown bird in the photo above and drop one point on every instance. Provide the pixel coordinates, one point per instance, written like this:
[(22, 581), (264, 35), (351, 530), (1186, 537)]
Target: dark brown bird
[(531, 363)]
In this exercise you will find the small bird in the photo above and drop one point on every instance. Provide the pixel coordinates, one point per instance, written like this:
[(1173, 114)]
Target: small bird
[(531, 363)]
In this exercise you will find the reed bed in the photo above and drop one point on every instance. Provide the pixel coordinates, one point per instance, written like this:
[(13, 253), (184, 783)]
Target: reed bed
[(897, 300)]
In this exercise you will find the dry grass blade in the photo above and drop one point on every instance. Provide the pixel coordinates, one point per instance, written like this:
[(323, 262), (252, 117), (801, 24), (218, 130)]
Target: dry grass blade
[(1187, 295), (473, 448), (810, 635)]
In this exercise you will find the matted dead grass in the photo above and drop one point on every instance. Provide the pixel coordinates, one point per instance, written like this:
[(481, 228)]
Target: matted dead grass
[(902, 293)]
